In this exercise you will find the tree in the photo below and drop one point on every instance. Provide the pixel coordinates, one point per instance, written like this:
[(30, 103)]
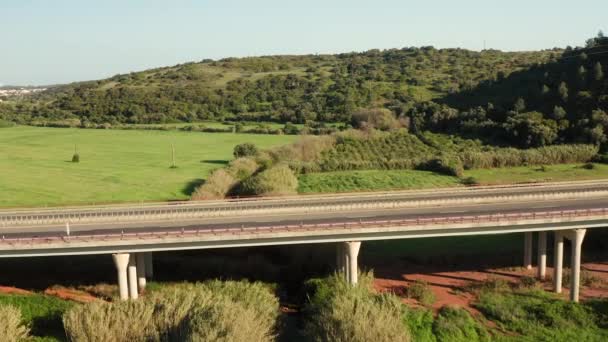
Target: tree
[(563, 91), (520, 105), (245, 150), (558, 113), (582, 74), (379, 118), (598, 73), (545, 89)]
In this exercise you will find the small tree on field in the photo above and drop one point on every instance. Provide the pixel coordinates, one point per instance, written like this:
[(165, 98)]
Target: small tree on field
[(245, 150), (75, 156)]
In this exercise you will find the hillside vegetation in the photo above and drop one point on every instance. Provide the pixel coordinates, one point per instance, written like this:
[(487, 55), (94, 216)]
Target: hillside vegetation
[(326, 88)]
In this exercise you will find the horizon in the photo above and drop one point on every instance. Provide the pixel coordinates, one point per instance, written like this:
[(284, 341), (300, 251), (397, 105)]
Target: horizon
[(44, 49)]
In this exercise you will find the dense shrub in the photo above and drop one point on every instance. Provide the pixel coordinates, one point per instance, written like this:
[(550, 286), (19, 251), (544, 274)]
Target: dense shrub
[(216, 311), (216, 186), (218, 322), (379, 118), (245, 150), (341, 312), (277, 180), (11, 327), (509, 157), (444, 165), (538, 315), (456, 324), (6, 124), (421, 291), (242, 168), (128, 321)]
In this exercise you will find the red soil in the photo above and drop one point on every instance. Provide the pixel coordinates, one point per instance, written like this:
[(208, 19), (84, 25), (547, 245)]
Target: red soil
[(448, 285), (14, 290), (71, 294)]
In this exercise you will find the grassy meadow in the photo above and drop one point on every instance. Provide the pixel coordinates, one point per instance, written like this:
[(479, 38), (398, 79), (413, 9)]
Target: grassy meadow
[(368, 180), (115, 165)]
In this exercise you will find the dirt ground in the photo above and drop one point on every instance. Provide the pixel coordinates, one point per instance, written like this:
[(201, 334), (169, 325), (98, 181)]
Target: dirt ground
[(448, 285)]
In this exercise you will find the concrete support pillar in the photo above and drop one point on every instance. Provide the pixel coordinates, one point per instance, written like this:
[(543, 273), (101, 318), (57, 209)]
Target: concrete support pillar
[(122, 261), (542, 255), (528, 250), (352, 250), (149, 265), (132, 273), (558, 261), (141, 271), (577, 243)]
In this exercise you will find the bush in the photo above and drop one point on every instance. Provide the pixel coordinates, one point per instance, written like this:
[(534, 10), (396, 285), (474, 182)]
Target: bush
[(445, 165), (420, 291), (589, 166), (218, 322), (215, 311), (245, 150), (456, 324), (11, 327), (340, 312), (217, 186), (278, 180), (380, 118), (243, 168), (119, 322), (6, 124)]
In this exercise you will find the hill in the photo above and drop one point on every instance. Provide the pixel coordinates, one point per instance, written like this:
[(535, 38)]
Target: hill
[(326, 88)]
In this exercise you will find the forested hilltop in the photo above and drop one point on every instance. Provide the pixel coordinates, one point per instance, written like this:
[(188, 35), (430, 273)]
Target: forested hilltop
[(526, 99)]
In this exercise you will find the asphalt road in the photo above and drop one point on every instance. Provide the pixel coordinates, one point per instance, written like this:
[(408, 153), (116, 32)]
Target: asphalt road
[(283, 219)]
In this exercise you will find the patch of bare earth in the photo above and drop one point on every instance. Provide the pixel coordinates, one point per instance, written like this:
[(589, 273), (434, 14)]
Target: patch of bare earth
[(450, 286), (71, 294), (14, 290)]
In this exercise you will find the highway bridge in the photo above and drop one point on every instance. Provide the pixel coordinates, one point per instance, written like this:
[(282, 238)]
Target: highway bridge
[(132, 232)]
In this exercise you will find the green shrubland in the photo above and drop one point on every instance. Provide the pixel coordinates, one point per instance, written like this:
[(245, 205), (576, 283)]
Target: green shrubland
[(340, 312), (213, 311)]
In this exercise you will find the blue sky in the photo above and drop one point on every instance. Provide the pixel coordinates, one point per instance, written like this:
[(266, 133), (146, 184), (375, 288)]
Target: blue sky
[(60, 41)]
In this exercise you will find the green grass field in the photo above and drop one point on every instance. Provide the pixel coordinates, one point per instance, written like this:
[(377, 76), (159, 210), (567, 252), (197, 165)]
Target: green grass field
[(115, 165), (550, 173), (345, 181)]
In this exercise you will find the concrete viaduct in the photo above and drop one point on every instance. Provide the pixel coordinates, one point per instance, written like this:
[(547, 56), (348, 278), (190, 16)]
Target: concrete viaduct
[(131, 233)]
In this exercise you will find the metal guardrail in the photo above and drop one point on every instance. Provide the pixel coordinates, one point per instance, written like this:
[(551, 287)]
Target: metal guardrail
[(170, 212), (347, 225)]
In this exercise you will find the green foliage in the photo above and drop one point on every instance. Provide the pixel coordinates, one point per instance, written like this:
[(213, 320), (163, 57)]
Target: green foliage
[(277, 180), (6, 124), (456, 325), (231, 311), (245, 150), (42, 314), (421, 291), (217, 186), (13, 329), (369, 180), (379, 118), (536, 315), (295, 89), (340, 312), (128, 321)]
